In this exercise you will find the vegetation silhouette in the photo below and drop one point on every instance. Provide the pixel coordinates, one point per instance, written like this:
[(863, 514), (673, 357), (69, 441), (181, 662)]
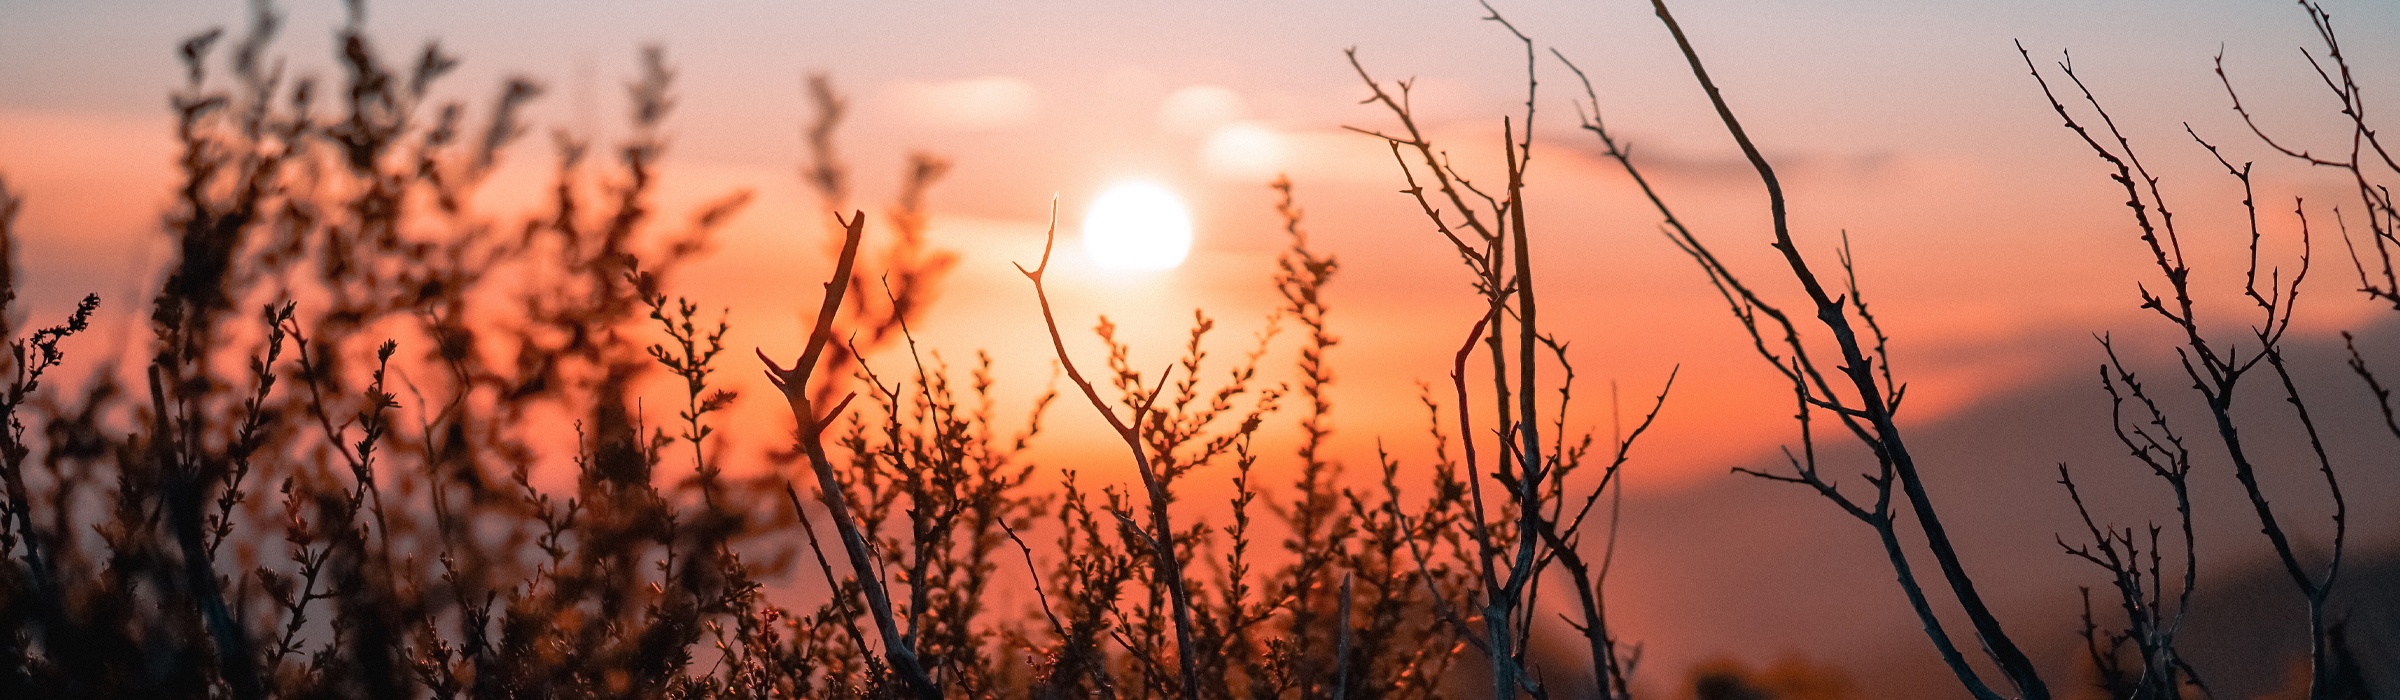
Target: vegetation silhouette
[(352, 376)]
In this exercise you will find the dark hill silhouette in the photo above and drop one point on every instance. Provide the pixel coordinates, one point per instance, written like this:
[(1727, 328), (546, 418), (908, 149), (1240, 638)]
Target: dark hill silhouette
[(1768, 569)]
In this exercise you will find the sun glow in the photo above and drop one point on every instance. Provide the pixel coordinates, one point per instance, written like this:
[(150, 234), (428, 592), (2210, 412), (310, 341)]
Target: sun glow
[(1137, 226)]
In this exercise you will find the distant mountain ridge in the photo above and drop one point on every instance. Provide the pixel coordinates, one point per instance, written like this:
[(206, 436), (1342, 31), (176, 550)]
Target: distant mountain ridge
[(1761, 570)]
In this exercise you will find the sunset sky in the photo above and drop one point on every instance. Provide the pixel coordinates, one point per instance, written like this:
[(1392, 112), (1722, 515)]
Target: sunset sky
[(1988, 238)]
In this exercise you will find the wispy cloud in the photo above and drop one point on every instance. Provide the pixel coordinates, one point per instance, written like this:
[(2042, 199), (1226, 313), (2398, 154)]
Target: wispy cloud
[(991, 103)]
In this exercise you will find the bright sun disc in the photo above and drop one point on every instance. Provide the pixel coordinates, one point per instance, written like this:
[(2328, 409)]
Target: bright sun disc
[(1137, 226)]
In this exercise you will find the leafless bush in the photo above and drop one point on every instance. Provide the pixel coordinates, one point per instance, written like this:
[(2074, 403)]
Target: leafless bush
[(1511, 540), (325, 475), (2216, 366), (1861, 395)]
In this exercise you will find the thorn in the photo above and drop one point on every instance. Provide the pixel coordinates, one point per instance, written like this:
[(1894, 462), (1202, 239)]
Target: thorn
[(835, 413), (775, 368)]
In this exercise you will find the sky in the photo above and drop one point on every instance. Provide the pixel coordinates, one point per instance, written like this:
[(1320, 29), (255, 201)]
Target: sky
[(1986, 232), (1987, 237)]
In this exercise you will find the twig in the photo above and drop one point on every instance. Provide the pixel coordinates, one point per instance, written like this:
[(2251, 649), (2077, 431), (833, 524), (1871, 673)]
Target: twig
[(793, 383), (1170, 569)]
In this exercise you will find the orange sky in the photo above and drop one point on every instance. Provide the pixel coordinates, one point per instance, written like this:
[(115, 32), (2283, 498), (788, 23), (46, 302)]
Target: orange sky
[(1987, 235), (1988, 238)]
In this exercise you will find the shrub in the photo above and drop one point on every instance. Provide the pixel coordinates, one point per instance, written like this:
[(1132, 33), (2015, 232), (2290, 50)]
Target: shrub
[(353, 376)]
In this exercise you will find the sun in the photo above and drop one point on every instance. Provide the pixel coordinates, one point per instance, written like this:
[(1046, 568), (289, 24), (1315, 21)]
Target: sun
[(1137, 226)]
